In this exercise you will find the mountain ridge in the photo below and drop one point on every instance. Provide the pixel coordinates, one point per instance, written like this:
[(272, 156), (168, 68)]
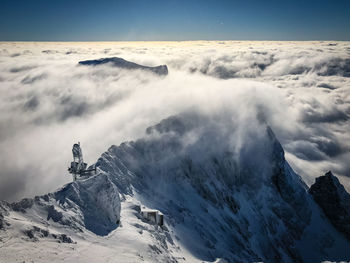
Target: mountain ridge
[(223, 195), (122, 63)]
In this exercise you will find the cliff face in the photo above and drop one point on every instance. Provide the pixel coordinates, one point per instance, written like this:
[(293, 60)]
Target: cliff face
[(332, 197), (240, 203)]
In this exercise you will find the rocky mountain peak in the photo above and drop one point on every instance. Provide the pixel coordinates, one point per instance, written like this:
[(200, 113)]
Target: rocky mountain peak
[(332, 197), (122, 63)]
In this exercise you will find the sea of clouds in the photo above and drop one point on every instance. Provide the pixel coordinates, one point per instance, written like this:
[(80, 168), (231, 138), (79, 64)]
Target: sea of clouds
[(48, 101)]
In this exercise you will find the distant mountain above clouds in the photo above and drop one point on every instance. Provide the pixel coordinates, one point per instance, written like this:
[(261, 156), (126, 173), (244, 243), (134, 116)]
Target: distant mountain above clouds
[(122, 63), (222, 197)]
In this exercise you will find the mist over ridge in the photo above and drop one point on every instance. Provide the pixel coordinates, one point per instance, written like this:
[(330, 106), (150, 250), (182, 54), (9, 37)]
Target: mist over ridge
[(48, 101)]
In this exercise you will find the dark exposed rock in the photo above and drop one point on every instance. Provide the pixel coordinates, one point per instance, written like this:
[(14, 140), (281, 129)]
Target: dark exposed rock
[(2, 221), (43, 232), (22, 205), (30, 233), (232, 204), (332, 197), (36, 232), (122, 63), (54, 214), (4, 206), (63, 238)]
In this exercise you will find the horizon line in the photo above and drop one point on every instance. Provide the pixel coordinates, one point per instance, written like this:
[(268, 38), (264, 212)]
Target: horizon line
[(195, 40)]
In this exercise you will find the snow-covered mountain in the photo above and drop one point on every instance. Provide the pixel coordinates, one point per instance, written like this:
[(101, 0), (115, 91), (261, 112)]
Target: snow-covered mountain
[(226, 194)]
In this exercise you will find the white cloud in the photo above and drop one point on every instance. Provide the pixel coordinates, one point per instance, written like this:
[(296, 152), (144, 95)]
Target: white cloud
[(48, 102)]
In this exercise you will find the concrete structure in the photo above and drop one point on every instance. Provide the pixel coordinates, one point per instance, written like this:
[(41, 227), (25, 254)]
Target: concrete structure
[(153, 216)]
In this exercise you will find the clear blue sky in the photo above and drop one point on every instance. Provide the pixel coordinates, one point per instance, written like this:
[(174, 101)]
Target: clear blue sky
[(105, 20)]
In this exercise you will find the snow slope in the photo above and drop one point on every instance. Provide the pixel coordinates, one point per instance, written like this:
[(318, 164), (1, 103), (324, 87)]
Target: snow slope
[(225, 191)]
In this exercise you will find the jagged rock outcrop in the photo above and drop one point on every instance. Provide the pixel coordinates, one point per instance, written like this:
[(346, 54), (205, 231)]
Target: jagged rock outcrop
[(122, 63), (98, 201), (93, 204), (332, 197)]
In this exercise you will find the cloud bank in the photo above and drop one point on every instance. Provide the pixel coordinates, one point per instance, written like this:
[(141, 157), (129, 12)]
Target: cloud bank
[(49, 102)]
